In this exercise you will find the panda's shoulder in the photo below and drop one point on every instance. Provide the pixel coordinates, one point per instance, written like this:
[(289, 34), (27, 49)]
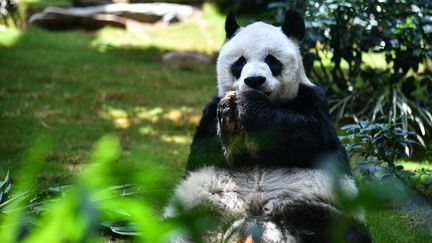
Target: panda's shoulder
[(308, 91), (309, 95)]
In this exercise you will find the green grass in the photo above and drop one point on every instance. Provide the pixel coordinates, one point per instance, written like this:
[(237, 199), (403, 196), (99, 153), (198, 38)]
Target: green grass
[(396, 227), (80, 85), (40, 4), (416, 165), (77, 86)]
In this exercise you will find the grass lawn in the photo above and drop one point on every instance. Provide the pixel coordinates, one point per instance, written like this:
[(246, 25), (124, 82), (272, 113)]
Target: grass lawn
[(77, 86)]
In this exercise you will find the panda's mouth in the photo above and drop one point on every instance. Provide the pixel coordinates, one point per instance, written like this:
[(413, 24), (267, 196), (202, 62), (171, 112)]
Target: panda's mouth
[(266, 92)]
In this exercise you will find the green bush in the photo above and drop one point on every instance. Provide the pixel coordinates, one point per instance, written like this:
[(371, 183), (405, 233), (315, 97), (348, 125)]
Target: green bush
[(107, 196), (9, 12), (378, 146), (373, 57)]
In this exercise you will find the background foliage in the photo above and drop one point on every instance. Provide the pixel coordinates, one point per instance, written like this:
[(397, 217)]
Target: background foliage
[(379, 146), (373, 58)]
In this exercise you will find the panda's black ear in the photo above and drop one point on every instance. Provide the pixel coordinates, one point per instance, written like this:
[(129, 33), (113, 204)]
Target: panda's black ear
[(231, 25), (294, 25)]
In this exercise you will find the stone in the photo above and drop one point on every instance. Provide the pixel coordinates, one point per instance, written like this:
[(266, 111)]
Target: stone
[(151, 12), (117, 14), (173, 57), (187, 61), (59, 18)]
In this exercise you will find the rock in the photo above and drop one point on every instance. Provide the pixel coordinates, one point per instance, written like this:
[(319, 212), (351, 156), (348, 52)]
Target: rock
[(185, 60), (183, 56), (151, 12), (59, 18), (111, 14)]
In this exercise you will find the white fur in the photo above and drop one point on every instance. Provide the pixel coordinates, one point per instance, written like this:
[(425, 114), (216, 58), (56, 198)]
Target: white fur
[(270, 189), (278, 187), (271, 233), (254, 42)]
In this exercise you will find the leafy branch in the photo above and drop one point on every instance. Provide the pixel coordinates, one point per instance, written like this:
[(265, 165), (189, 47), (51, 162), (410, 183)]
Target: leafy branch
[(379, 145)]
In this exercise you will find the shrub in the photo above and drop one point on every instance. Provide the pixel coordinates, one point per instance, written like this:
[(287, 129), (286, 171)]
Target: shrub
[(106, 196), (373, 57), (378, 146), (9, 10)]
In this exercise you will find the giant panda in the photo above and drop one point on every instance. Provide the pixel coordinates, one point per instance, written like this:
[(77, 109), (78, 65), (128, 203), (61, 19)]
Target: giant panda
[(263, 152)]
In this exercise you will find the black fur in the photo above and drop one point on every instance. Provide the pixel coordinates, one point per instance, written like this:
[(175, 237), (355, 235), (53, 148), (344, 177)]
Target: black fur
[(297, 133), (294, 26), (231, 25), (315, 223), (274, 64), (206, 147), (237, 66)]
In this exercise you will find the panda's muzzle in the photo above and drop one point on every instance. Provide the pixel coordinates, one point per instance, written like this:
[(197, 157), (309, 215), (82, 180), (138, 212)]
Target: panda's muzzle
[(255, 82)]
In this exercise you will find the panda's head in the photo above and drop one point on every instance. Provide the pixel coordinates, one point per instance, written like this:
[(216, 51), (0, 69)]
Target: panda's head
[(263, 57)]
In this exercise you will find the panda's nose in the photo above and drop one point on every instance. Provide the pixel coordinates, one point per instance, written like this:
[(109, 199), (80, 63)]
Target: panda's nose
[(255, 82)]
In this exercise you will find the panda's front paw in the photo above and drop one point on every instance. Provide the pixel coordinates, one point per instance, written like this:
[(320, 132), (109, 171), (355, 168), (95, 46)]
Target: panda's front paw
[(250, 103), (230, 131), (227, 115)]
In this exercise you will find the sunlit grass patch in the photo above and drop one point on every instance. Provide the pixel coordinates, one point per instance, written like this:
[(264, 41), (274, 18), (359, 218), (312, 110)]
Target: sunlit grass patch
[(9, 36), (416, 165), (373, 60), (202, 33), (423, 170)]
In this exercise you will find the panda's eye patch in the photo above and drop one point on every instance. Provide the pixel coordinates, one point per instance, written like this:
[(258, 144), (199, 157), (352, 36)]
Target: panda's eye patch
[(274, 64), (237, 67)]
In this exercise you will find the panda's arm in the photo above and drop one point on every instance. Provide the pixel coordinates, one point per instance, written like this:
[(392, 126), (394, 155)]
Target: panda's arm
[(303, 114), (206, 147), (296, 132)]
